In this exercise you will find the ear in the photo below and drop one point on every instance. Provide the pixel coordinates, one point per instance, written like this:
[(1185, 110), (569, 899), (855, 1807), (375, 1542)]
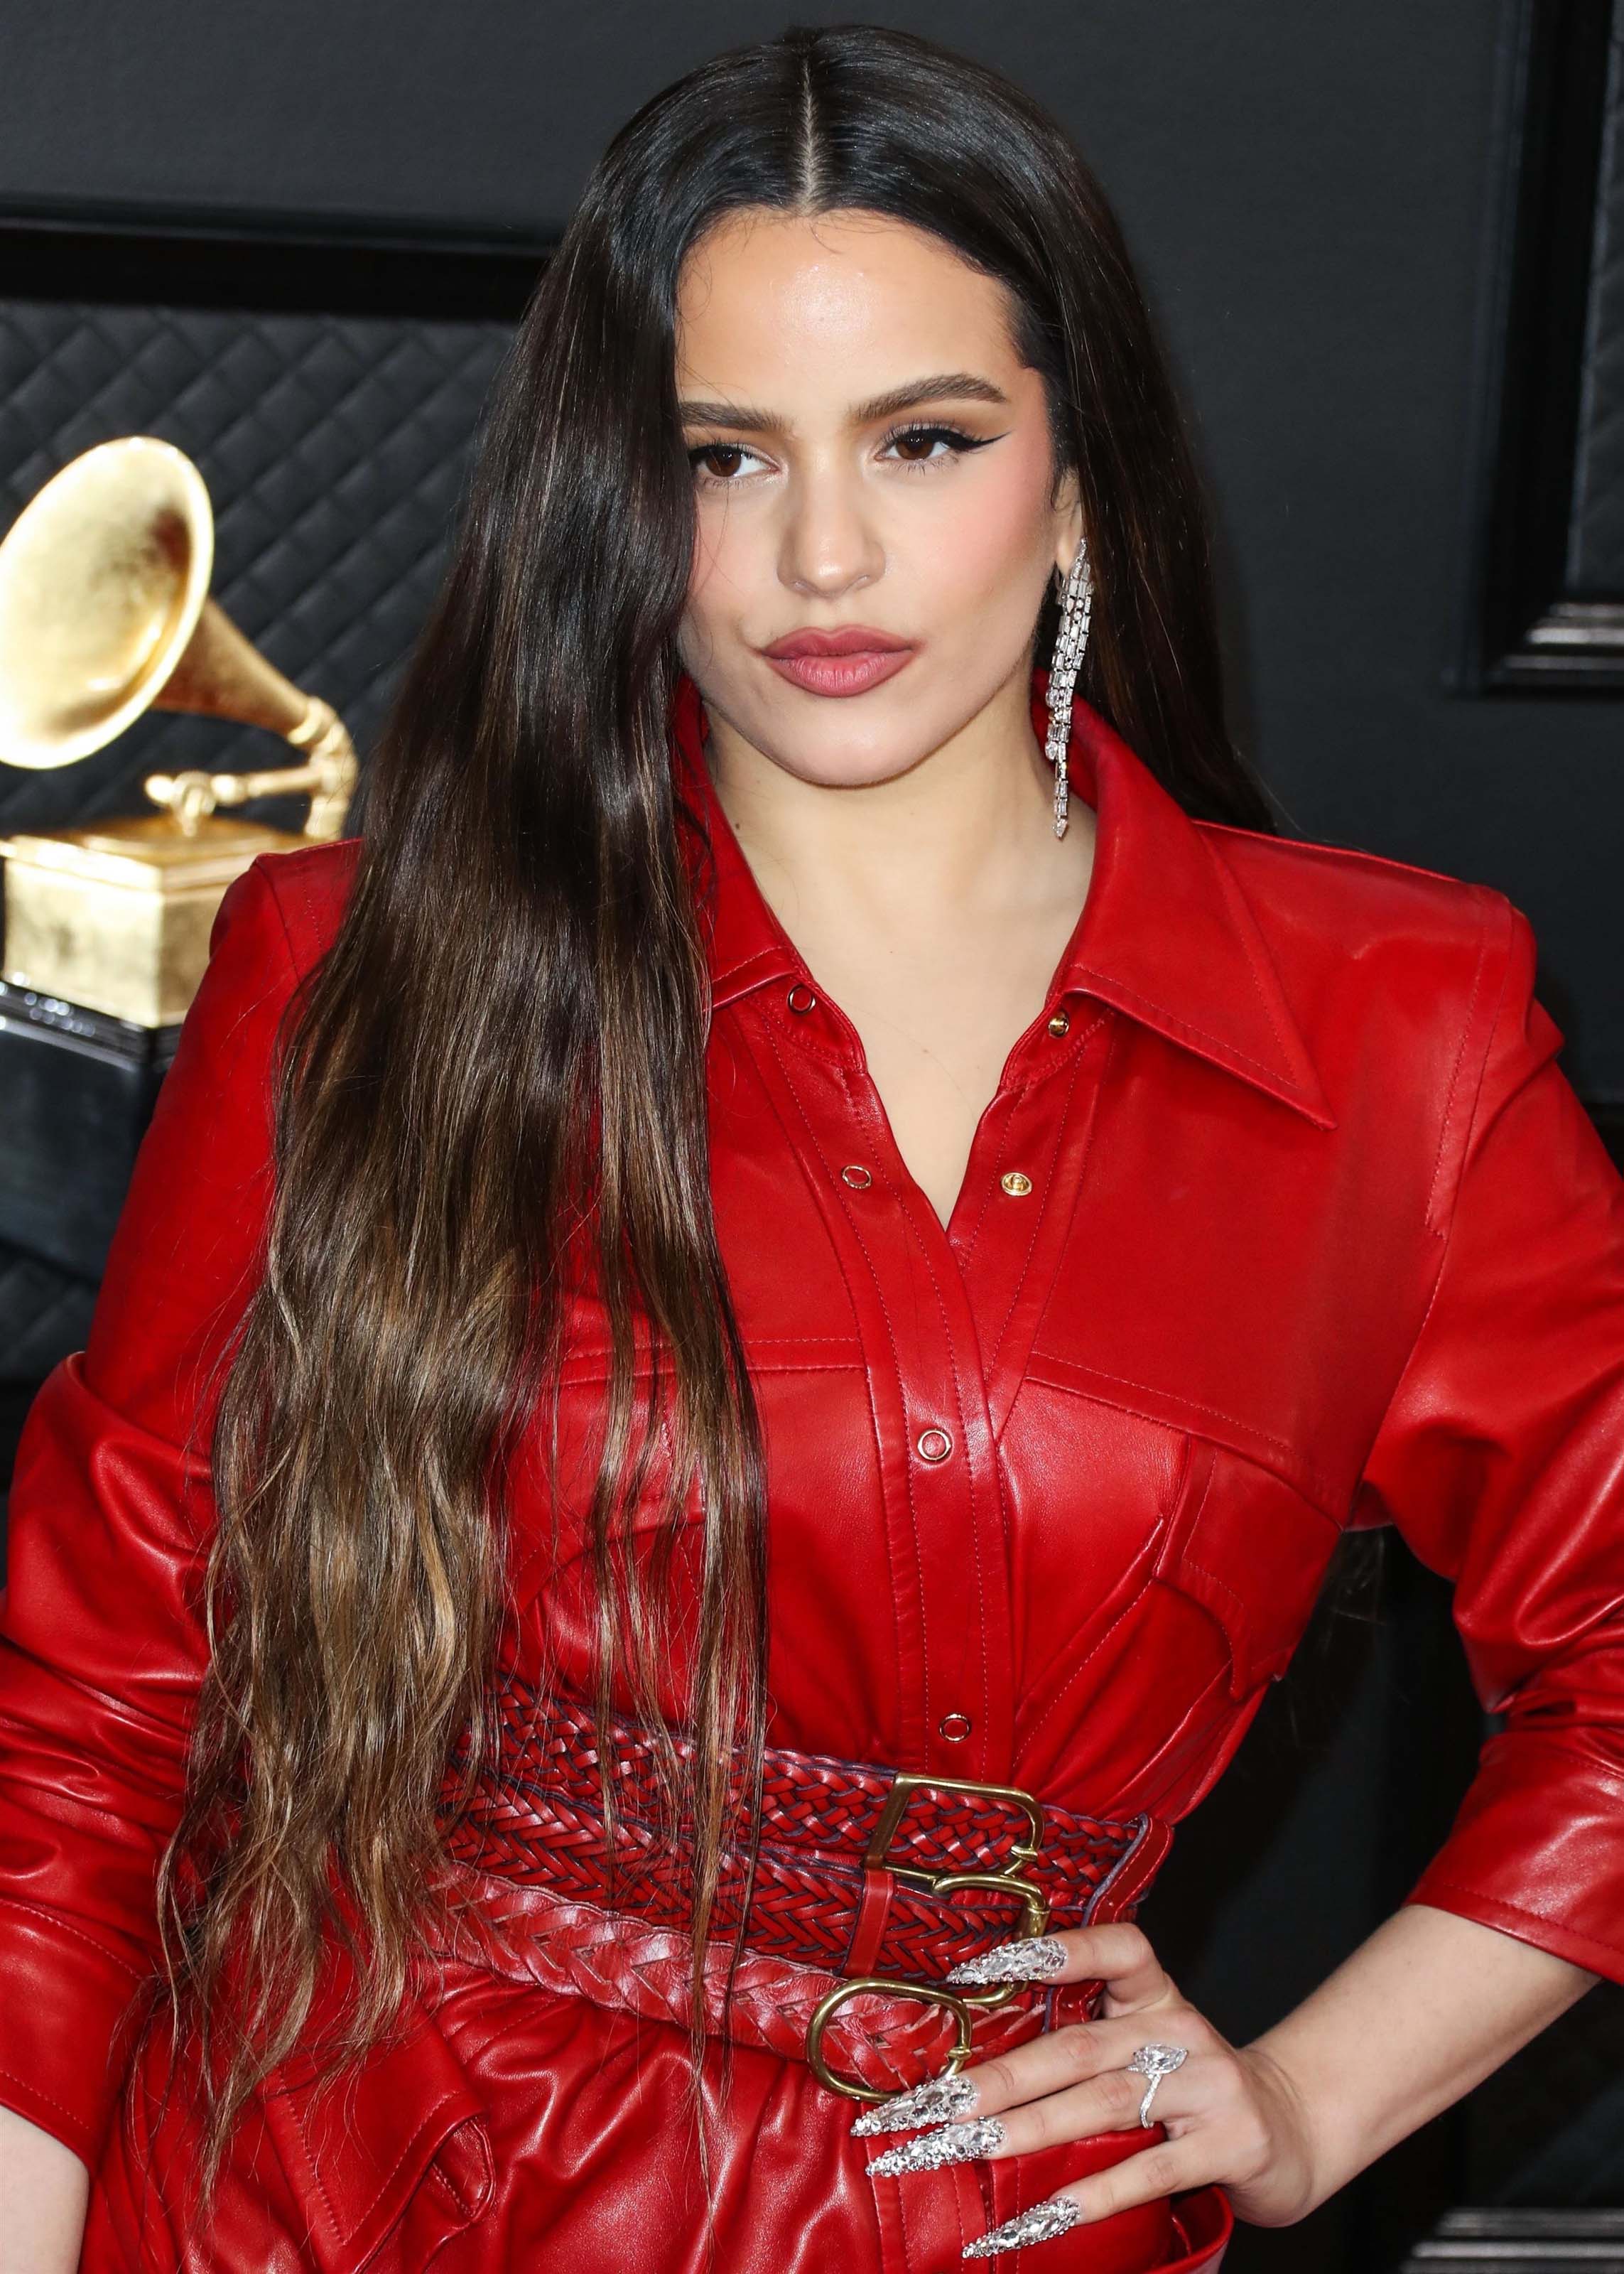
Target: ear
[(1068, 518)]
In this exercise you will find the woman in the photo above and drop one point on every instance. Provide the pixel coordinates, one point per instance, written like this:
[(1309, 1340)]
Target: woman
[(611, 1501)]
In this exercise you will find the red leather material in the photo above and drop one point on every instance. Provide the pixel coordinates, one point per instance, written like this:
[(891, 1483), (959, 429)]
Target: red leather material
[(535, 1815), (1317, 1234)]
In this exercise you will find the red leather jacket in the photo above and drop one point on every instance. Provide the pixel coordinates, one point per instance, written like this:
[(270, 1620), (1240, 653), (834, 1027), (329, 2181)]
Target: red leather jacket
[(1284, 1219)]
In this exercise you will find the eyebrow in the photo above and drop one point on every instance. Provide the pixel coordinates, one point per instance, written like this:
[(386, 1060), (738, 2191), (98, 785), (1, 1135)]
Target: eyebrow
[(959, 385)]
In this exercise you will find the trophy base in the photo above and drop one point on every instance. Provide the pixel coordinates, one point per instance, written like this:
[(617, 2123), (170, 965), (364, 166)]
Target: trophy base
[(115, 915)]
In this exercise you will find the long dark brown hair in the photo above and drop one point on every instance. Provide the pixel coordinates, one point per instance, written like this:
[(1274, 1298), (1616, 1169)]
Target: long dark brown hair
[(501, 1063)]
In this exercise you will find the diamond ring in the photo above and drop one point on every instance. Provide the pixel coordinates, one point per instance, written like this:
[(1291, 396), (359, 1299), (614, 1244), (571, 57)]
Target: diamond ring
[(1156, 2062)]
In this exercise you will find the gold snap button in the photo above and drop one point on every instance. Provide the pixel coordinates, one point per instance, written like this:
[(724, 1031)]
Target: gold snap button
[(1061, 1023), (955, 1727), (1016, 1183), (858, 1178), (933, 1445), (800, 997)]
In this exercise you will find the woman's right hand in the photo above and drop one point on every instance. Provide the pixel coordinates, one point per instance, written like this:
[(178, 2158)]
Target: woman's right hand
[(44, 2187)]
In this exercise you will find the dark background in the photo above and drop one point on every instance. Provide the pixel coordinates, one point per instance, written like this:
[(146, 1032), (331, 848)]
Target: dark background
[(1308, 191), (1315, 197)]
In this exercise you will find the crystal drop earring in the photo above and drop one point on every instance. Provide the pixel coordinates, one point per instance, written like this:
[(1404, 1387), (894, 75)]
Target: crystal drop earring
[(1075, 606)]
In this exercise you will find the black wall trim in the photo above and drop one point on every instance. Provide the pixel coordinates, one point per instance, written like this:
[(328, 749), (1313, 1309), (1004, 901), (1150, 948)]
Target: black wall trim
[(283, 264), (1546, 609)]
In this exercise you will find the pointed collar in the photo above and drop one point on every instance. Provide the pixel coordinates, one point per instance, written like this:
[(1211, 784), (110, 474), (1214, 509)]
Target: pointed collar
[(1166, 935)]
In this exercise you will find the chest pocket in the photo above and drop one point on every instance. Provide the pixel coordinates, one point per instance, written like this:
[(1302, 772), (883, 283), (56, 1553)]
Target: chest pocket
[(397, 2154), (1252, 1551)]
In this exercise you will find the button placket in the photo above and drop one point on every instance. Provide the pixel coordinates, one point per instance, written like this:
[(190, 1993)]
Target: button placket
[(943, 1507)]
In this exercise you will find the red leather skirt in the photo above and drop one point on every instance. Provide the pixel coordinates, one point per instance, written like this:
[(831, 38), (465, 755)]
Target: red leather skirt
[(532, 2114)]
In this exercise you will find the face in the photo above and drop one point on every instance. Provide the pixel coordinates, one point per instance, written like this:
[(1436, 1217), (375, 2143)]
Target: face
[(873, 474)]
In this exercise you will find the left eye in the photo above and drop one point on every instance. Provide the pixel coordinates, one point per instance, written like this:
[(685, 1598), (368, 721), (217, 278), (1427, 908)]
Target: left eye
[(918, 443)]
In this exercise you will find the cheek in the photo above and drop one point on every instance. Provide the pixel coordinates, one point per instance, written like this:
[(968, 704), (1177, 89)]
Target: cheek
[(992, 538), (727, 559)]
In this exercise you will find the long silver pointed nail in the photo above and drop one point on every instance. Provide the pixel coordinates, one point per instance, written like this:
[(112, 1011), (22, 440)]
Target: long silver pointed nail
[(1054, 2215), (954, 2143), (930, 2103), (1031, 1957)]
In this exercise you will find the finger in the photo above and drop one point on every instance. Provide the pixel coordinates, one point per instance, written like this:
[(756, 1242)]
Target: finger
[(1049, 2062), (1119, 1954), (1164, 2170), (1109, 2101), (1105, 2104), (1114, 2038)]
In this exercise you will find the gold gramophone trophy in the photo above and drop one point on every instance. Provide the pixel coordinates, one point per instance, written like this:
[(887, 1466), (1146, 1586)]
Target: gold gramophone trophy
[(104, 613)]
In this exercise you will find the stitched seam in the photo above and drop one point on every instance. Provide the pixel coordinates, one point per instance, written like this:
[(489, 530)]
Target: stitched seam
[(407, 2152), (314, 2169), (753, 970), (59, 1925), (794, 1023), (1355, 855), (1146, 1555), (1184, 1025), (779, 1366), (1307, 1482), (1232, 892), (819, 1201), (1152, 1554), (770, 1342), (976, 1496), (1112, 1037), (1012, 1100), (1187, 1562), (441, 2179), (1194, 1404), (907, 1465), (282, 919), (1147, 1552), (1216, 1687), (1445, 1237), (1460, 1053), (862, 1244), (38, 2092), (1520, 1911)]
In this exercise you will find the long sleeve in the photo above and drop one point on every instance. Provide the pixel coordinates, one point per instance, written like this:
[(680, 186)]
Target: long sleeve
[(101, 1643), (1500, 1460)]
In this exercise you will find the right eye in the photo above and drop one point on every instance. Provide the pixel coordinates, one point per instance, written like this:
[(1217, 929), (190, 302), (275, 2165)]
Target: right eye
[(727, 460)]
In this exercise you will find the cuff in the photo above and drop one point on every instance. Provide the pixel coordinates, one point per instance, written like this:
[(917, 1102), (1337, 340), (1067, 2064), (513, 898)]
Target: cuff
[(1537, 1851), (68, 1999)]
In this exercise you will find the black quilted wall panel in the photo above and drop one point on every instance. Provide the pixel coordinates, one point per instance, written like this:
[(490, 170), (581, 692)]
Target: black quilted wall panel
[(334, 448)]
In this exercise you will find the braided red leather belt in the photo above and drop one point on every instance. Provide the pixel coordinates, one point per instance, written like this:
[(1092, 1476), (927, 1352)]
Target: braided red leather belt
[(874, 1875)]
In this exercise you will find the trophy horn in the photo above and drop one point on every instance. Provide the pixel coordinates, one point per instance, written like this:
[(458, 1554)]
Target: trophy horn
[(105, 612)]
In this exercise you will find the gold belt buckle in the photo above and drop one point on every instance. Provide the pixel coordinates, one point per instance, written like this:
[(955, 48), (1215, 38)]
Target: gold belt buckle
[(962, 2004)]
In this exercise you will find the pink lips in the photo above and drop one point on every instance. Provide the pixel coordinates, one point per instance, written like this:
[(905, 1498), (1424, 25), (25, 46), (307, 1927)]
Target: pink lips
[(846, 662)]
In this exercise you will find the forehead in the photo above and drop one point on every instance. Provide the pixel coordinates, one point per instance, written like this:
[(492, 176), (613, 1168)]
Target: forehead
[(781, 299)]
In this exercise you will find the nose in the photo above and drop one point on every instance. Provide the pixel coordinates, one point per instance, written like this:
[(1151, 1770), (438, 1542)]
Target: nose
[(829, 545)]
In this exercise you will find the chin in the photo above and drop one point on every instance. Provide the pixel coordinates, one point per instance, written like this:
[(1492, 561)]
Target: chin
[(833, 759), (847, 743)]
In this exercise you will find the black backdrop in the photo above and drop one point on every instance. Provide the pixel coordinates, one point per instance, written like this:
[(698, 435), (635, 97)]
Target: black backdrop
[(1308, 190), (1311, 195)]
